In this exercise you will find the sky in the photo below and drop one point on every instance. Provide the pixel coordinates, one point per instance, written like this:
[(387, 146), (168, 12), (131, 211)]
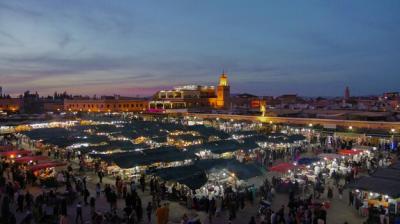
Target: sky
[(130, 48)]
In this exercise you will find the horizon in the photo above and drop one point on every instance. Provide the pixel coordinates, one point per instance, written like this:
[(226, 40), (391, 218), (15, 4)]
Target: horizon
[(137, 48)]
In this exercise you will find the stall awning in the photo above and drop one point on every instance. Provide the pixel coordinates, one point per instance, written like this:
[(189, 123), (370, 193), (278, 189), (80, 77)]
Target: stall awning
[(282, 167), (349, 151), (126, 160), (194, 176), (391, 174), (329, 156), (241, 170), (46, 165), (26, 159), (191, 176), (15, 153), (378, 185), (307, 160)]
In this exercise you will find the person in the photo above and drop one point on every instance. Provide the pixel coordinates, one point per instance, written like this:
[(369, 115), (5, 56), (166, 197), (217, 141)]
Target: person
[(340, 189), (142, 182), (281, 215), (92, 206), (330, 193), (86, 195), (28, 199), (382, 214), (133, 187), (351, 198), (79, 213), (20, 201), (149, 209), (100, 175), (139, 209), (166, 205), (185, 219), (160, 215), (273, 218), (63, 219), (252, 220), (98, 189)]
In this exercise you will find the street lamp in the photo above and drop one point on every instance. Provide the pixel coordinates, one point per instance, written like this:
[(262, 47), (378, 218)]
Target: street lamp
[(350, 127), (310, 125), (393, 130)]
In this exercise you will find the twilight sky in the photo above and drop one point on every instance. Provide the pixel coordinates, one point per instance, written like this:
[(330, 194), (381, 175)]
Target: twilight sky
[(131, 47)]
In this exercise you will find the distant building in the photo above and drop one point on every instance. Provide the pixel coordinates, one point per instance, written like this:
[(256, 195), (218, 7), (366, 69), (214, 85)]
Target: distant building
[(106, 104), (193, 97), (391, 95), (245, 103), (13, 105)]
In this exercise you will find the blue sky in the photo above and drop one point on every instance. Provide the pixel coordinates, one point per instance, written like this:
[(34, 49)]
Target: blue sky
[(132, 47)]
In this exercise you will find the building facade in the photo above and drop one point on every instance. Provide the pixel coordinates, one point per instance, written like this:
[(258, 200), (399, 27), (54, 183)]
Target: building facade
[(106, 104), (11, 104), (193, 97)]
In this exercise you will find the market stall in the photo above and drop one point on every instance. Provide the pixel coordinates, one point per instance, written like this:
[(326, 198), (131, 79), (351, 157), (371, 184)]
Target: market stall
[(31, 159), (14, 153)]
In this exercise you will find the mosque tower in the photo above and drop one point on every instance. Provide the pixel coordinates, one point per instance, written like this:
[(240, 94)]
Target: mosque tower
[(347, 93), (223, 92)]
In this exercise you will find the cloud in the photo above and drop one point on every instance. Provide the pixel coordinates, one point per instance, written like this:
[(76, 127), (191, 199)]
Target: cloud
[(66, 39), (18, 9), (9, 39)]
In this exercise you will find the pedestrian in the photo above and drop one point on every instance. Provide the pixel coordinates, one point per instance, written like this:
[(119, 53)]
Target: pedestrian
[(340, 190), (330, 193), (133, 187), (98, 189), (79, 213), (139, 209), (63, 219), (20, 201), (86, 195), (142, 182), (100, 175), (149, 209), (92, 206), (351, 198)]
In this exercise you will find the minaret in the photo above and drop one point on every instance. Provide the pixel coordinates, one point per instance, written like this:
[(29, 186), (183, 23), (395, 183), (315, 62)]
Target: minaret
[(347, 93), (223, 92)]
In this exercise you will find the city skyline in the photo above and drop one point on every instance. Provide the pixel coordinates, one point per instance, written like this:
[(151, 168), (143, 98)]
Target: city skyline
[(134, 48)]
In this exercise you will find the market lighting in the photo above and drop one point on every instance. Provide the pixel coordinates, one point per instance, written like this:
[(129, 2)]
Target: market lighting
[(350, 127), (393, 130), (310, 125)]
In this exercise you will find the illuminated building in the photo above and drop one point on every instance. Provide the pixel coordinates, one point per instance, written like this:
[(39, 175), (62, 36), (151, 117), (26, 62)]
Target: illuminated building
[(106, 104), (183, 97), (193, 97), (11, 104), (246, 103)]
